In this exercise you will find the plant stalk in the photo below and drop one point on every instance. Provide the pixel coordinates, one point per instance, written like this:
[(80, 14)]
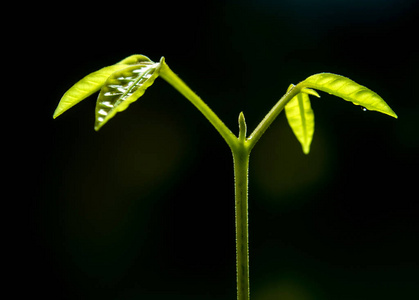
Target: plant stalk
[(241, 151), (272, 114), (241, 155), (241, 169), (167, 74)]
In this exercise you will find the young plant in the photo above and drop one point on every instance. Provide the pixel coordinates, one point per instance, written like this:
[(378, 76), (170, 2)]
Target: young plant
[(126, 81)]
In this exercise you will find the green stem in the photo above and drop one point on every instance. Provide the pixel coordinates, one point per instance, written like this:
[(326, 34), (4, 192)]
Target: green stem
[(272, 114), (240, 147), (167, 74), (241, 155), (241, 152)]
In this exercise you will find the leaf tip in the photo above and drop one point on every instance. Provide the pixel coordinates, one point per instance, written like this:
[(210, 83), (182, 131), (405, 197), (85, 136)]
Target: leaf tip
[(58, 111), (98, 126), (386, 109), (310, 92), (393, 114)]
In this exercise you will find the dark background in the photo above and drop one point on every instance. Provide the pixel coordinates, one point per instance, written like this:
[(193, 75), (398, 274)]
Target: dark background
[(144, 208)]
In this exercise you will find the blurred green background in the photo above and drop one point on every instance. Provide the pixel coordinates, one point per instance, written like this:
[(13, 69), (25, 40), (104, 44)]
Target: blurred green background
[(144, 208)]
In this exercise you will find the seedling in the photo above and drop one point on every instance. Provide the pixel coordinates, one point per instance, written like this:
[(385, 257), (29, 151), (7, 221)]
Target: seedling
[(123, 83)]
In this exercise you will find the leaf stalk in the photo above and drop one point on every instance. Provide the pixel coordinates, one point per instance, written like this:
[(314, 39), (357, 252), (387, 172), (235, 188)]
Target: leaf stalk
[(167, 74), (271, 116)]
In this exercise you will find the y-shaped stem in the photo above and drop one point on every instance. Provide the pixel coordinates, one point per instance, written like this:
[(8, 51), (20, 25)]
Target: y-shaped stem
[(240, 147)]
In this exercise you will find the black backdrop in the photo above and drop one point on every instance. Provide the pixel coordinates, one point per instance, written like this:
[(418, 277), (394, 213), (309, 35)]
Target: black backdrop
[(144, 208)]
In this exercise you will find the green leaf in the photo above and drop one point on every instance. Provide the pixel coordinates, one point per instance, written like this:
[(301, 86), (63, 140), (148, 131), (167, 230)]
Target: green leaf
[(93, 82), (348, 90), (84, 88), (134, 59), (124, 87), (300, 117), (310, 92)]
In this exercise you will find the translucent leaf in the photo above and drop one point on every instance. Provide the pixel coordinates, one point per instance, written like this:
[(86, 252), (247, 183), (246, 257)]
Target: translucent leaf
[(93, 82), (310, 92), (349, 90), (300, 117), (85, 87), (134, 59), (124, 87)]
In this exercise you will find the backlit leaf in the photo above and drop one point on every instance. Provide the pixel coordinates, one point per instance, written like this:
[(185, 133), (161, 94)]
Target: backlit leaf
[(93, 82), (124, 87), (134, 59), (300, 117), (85, 87), (348, 90)]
